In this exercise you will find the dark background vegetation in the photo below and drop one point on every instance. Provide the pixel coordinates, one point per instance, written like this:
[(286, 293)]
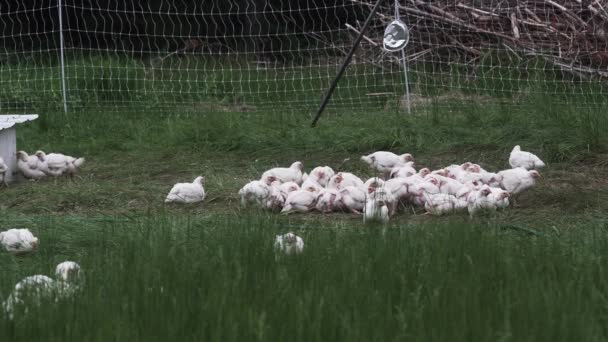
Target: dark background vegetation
[(162, 25)]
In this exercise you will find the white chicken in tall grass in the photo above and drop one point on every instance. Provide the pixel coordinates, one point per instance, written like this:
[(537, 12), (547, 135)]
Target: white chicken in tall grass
[(380, 204), (527, 160), (187, 192), (30, 166), (289, 244), (18, 241), (38, 289)]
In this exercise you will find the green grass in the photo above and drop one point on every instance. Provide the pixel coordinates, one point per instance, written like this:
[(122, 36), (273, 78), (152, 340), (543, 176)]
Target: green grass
[(216, 278), (208, 272)]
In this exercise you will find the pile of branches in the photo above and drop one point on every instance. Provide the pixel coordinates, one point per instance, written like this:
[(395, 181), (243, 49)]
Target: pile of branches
[(570, 34)]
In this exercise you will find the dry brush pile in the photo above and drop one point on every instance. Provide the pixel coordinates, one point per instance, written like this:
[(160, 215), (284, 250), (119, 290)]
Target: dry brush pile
[(571, 35)]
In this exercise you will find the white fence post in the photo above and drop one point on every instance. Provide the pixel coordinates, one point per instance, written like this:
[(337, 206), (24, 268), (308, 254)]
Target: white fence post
[(404, 63), (61, 48)]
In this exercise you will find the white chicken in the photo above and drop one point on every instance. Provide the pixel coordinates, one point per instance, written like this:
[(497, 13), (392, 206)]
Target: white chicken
[(284, 174), (478, 200), (299, 201), (276, 199), (398, 187), (353, 199), (518, 179), (403, 171), (289, 244), (483, 177), (187, 192), (373, 182), (3, 171), (311, 185), (329, 200), (447, 185), (439, 204), (376, 209), (30, 166), (34, 289), (321, 175), (288, 187), (418, 190), (57, 164), (68, 276), (254, 192), (343, 179), (527, 160), (384, 162), (500, 197), (18, 241)]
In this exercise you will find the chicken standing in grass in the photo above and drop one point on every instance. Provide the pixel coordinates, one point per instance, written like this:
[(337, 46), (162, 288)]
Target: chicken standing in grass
[(375, 210), (384, 162), (187, 192), (289, 244), (527, 160), (518, 179), (69, 277), (379, 205), (30, 166), (18, 241)]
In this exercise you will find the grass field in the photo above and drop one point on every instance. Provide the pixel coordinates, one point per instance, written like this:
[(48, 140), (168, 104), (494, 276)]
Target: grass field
[(157, 272)]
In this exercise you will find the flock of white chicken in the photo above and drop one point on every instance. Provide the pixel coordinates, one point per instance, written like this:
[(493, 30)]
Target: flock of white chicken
[(466, 187), (40, 165), (36, 287)]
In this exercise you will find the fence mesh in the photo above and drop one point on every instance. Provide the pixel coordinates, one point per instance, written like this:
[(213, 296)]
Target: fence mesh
[(279, 55)]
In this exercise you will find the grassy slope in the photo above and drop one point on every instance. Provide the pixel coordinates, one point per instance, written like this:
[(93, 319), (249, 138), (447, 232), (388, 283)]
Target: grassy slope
[(424, 278)]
